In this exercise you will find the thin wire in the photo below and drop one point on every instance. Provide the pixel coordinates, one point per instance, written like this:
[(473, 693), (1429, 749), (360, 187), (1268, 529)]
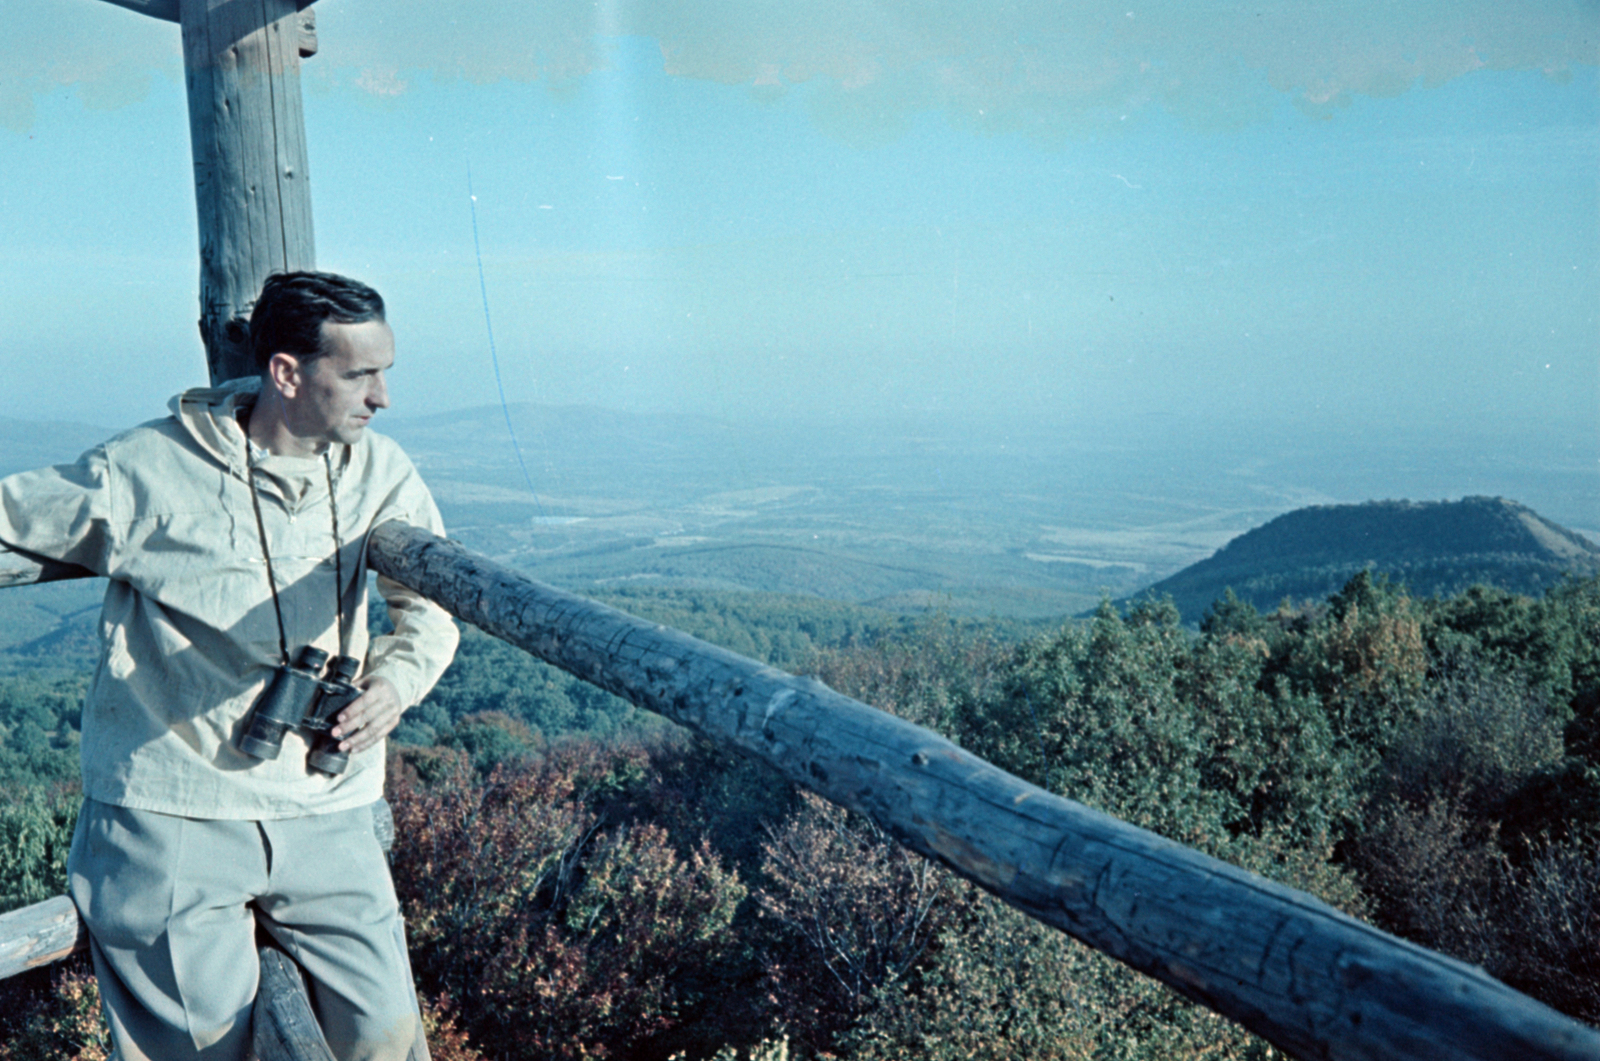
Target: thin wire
[(494, 356)]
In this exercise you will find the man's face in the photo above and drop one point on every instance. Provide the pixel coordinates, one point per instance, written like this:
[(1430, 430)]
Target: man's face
[(337, 394)]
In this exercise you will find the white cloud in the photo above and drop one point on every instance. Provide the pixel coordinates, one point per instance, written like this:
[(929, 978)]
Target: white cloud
[(104, 53), (1032, 65)]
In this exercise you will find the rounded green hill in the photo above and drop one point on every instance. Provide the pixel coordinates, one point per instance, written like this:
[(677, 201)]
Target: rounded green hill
[(1435, 547)]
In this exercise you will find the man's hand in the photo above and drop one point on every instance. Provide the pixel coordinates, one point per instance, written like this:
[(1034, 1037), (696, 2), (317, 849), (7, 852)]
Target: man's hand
[(370, 717)]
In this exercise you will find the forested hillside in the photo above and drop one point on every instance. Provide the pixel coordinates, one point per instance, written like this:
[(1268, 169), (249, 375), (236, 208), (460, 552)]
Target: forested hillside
[(581, 881), (1436, 547)]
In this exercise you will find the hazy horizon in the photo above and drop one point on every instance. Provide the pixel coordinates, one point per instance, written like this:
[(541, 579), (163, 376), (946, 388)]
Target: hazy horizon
[(1098, 475)]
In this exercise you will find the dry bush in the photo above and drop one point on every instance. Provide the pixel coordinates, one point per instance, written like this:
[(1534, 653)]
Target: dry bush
[(1432, 872), (862, 908), (56, 1018), (1549, 922), (897, 959), (1430, 856), (997, 985), (557, 933), (613, 971), (1477, 736), (1433, 859), (447, 1041), (471, 860)]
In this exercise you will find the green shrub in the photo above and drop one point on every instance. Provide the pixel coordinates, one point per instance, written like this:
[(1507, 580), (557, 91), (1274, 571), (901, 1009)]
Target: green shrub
[(35, 837)]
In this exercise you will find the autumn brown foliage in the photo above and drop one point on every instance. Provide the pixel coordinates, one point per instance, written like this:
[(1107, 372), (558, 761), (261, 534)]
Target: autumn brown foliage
[(554, 930)]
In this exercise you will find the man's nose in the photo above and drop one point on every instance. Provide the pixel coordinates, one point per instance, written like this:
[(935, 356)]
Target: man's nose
[(378, 395)]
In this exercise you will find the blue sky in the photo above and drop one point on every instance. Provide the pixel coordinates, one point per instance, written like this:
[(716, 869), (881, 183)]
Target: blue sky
[(1115, 213)]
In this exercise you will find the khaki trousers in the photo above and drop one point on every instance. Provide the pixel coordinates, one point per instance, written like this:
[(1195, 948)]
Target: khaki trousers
[(172, 906)]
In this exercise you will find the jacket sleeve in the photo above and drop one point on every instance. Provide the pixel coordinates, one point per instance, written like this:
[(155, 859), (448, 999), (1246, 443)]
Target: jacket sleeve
[(424, 638), (61, 513)]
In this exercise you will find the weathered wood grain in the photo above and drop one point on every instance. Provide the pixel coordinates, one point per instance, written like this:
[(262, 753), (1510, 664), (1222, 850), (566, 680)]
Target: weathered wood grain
[(166, 10), (308, 33), (383, 825), (282, 1025), (25, 569), (40, 934), (1304, 976), (252, 192)]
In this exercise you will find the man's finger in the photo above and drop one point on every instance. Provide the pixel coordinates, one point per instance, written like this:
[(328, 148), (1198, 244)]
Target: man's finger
[(370, 718)]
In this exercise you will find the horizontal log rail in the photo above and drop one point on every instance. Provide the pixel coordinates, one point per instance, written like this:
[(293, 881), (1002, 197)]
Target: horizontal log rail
[(1304, 976), (40, 934)]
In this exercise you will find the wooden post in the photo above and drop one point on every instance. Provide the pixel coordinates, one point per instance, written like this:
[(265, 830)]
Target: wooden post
[(283, 1026), (1293, 970), (241, 61), (252, 192)]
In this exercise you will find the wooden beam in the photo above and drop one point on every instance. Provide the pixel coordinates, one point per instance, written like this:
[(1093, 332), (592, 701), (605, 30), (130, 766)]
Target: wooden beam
[(40, 934), (166, 10), (1293, 970), (247, 132)]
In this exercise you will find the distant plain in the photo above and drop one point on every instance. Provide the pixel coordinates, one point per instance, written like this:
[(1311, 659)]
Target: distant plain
[(1021, 520), (908, 513)]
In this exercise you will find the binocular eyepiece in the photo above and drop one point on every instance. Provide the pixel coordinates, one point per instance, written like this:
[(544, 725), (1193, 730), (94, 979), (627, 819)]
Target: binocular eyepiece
[(304, 697)]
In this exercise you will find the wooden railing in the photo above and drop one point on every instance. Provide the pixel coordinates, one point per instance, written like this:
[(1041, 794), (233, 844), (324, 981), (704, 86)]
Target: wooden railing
[(1307, 978)]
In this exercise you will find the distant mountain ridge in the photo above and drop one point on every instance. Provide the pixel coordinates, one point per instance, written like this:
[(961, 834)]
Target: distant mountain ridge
[(1435, 547)]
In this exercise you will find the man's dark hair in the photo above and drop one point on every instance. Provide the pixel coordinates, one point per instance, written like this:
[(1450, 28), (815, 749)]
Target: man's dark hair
[(289, 314)]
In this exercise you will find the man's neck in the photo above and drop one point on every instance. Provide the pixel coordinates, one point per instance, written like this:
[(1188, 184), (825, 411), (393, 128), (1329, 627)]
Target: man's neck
[(264, 424)]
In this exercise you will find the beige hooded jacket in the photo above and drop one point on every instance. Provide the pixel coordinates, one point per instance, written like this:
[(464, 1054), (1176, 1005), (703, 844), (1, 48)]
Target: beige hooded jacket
[(188, 633)]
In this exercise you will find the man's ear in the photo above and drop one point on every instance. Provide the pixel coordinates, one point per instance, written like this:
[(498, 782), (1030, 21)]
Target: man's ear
[(285, 373)]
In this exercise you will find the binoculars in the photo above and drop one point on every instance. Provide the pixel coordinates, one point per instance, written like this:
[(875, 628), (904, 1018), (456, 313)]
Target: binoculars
[(302, 696)]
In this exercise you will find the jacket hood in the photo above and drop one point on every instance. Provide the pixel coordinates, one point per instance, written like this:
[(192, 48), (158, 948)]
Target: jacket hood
[(210, 416)]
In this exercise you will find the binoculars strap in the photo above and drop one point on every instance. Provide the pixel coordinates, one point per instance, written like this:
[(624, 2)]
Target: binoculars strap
[(338, 561)]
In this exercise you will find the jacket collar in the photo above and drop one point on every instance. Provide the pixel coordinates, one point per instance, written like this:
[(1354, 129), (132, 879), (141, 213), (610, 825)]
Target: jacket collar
[(210, 416)]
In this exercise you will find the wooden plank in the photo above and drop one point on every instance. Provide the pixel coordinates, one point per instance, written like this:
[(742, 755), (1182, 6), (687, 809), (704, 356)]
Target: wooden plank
[(166, 10), (40, 934), (286, 34), (1302, 975), (252, 189)]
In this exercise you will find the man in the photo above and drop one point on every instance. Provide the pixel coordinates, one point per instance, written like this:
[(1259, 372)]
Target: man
[(234, 533)]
